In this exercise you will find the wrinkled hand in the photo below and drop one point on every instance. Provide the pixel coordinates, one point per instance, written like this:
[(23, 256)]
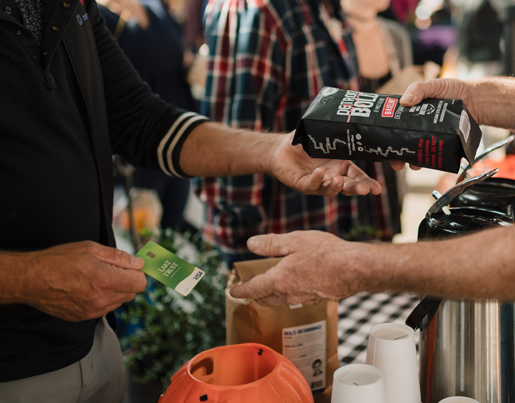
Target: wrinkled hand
[(292, 166), (80, 281), (316, 266), (446, 88)]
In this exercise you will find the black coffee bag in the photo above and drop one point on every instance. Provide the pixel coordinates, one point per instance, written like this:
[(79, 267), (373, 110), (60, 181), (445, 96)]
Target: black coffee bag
[(360, 126)]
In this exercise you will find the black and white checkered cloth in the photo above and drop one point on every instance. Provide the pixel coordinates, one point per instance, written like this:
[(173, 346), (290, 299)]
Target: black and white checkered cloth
[(360, 312)]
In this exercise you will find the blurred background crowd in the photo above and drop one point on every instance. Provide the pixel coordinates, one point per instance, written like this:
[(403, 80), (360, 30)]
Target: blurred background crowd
[(218, 57)]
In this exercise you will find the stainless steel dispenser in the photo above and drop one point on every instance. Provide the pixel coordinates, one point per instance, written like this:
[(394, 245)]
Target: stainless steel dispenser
[(466, 348)]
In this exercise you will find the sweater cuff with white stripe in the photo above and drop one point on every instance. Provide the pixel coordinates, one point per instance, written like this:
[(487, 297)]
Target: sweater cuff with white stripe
[(165, 147)]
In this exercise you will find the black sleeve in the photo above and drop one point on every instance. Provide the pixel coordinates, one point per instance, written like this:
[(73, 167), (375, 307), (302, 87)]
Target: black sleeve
[(143, 128)]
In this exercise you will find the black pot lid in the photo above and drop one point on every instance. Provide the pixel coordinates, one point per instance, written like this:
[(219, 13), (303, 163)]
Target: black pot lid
[(463, 220), (490, 191)]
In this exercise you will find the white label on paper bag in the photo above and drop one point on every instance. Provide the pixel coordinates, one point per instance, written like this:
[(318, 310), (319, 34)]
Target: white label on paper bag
[(305, 347)]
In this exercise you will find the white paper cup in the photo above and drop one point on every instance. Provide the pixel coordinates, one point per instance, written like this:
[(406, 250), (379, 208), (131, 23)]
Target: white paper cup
[(391, 348), (358, 383), (458, 399)]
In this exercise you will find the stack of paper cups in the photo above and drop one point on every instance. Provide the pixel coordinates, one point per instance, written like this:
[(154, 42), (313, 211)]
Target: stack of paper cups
[(358, 383), (391, 348), (458, 399)]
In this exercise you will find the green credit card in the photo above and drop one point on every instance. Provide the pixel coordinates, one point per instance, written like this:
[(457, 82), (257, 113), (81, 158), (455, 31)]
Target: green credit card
[(169, 269)]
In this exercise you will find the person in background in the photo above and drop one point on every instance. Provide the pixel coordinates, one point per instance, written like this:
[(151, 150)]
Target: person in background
[(321, 266), (267, 62), (152, 40), (479, 25), (383, 49), (70, 100), (403, 10), (193, 27)]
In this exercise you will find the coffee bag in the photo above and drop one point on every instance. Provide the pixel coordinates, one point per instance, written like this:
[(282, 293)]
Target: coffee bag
[(360, 126), (306, 335)]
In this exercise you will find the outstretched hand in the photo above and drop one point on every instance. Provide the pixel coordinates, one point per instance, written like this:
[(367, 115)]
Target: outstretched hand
[(292, 166), (316, 266)]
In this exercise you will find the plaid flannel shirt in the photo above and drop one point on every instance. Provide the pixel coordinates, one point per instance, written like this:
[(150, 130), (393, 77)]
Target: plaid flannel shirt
[(267, 61)]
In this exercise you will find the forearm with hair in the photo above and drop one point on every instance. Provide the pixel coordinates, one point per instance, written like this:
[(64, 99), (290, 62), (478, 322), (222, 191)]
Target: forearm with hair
[(226, 151), (493, 99), (479, 266), (13, 273)]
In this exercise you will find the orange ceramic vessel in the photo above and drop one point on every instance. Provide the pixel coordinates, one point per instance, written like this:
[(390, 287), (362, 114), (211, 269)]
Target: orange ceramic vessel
[(239, 373)]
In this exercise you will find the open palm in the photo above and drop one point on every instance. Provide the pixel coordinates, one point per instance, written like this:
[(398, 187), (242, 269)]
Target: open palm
[(327, 177)]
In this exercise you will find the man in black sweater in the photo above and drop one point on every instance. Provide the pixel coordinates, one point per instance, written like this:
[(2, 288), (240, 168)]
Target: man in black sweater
[(69, 99)]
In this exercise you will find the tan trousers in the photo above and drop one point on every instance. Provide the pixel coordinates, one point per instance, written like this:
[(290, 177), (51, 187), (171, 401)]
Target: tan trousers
[(97, 378)]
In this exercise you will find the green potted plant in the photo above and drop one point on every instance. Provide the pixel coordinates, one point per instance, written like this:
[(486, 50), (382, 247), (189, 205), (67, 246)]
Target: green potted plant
[(169, 329)]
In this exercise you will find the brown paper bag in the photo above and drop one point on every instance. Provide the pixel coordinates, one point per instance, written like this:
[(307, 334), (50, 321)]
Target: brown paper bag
[(299, 333)]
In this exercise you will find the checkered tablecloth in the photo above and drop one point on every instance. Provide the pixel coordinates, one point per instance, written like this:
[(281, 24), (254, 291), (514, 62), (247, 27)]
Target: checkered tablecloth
[(357, 315)]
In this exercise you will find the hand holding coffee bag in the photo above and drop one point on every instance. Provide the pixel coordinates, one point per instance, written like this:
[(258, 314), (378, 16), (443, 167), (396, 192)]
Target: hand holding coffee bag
[(360, 126)]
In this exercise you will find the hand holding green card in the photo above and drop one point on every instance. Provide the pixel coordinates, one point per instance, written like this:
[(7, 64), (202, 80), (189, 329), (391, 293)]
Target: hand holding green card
[(169, 269)]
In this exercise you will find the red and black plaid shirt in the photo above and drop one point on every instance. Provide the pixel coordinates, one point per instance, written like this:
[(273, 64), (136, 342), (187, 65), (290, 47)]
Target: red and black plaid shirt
[(267, 62)]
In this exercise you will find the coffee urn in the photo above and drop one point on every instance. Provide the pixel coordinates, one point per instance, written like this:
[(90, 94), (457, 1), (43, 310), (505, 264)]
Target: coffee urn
[(467, 348)]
